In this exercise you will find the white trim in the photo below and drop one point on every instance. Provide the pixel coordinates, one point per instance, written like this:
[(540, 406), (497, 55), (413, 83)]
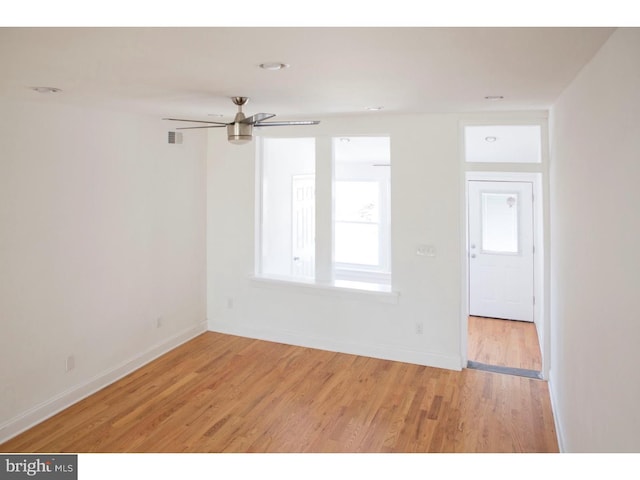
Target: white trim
[(506, 119), (556, 418), (531, 177), (376, 292), (464, 269), (47, 409), (257, 206)]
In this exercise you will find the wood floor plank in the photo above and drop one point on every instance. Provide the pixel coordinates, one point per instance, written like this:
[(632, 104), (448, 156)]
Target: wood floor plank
[(221, 393), (504, 343)]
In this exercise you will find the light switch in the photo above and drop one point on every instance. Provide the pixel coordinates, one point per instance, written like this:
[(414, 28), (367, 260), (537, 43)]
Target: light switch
[(426, 251)]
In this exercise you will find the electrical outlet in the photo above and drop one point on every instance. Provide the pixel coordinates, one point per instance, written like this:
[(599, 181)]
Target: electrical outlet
[(419, 328), (71, 363), (159, 322)]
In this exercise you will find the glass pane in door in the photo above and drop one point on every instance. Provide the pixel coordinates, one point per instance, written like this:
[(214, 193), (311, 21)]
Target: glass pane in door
[(500, 222)]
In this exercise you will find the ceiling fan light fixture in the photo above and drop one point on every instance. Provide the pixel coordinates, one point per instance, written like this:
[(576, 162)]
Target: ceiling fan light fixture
[(239, 133), (239, 139), (273, 66)]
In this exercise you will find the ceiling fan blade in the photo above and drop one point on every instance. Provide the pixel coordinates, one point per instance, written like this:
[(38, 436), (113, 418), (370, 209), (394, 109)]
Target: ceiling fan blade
[(196, 121), (284, 124), (258, 117), (206, 126)]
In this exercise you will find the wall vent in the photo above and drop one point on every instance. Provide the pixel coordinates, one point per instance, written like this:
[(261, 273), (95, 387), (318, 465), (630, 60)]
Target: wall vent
[(175, 137)]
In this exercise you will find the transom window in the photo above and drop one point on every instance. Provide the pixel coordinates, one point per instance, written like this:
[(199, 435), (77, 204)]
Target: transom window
[(503, 143)]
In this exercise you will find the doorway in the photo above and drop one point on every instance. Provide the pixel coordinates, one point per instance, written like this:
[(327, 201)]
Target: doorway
[(303, 220), (501, 250), (503, 331)]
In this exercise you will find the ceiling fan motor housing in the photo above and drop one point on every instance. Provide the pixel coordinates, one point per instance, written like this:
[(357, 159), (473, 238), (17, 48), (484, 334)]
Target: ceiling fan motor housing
[(239, 133)]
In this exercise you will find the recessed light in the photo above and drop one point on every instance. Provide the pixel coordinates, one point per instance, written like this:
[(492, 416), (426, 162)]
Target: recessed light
[(46, 89), (374, 109), (494, 97), (490, 139), (273, 66)]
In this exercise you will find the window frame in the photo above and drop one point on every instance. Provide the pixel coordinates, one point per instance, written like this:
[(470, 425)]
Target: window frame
[(358, 271), (466, 128), (327, 274)]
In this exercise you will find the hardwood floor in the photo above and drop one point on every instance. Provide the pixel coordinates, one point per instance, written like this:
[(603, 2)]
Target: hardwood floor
[(221, 393), (504, 343)]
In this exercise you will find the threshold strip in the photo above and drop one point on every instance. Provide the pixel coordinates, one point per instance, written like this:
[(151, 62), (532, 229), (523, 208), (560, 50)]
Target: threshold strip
[(520, 372)]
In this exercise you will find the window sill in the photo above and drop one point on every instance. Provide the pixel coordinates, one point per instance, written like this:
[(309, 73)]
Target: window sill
[(376, 292)]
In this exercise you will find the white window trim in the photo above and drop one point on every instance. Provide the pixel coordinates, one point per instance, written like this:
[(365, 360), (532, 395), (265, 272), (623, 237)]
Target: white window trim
[(337, 289)]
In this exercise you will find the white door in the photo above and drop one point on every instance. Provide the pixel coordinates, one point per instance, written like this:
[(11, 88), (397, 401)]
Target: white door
[(303, 192), (501, 250)]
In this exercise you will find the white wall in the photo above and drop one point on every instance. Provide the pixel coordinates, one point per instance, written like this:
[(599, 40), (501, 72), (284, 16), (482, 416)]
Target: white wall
[(102, 231), (426, 182), (595, 255)]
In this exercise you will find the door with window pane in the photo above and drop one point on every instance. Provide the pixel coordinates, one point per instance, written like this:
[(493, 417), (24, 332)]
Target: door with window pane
[(501, 250), (303, 225), (287, 210)]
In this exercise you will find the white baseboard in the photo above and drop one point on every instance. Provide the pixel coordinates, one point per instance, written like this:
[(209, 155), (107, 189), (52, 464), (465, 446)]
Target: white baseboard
[(385, 352), (556, 416), (47, 409)]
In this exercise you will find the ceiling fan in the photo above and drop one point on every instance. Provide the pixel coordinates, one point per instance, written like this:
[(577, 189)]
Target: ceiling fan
[(240, 130)]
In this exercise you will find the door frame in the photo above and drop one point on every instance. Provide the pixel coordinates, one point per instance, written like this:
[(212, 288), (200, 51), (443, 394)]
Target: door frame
[(539, 318)]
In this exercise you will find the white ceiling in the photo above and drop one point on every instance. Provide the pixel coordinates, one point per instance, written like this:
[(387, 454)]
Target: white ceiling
[(192, 72)]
